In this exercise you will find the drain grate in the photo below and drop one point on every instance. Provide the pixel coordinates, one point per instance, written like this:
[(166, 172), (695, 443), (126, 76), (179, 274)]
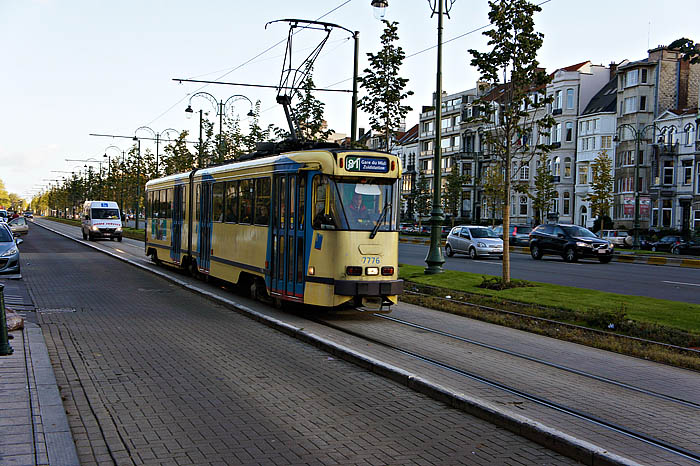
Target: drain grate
[(55, 310)]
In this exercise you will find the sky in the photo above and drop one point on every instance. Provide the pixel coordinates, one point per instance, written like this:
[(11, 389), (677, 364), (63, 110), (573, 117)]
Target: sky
[(74, 67)]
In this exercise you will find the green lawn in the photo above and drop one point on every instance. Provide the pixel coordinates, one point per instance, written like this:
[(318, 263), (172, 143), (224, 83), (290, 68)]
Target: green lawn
[(132, 233), (682, 316)]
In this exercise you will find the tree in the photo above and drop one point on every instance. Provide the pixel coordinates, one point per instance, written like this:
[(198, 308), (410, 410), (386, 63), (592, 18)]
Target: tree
[(494, 190), (689, 49), (309, 114), (601, 194), (544, 192), (452, 194), (384, 86), (514, 127), (423, 199)]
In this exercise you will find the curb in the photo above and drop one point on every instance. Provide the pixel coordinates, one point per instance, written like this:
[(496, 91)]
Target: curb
[(624, 258), (553, 439), (60, 447)]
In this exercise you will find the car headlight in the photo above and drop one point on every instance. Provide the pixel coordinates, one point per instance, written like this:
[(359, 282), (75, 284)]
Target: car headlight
[(119, 229), (95, 228), (13, 250), (480, 245), (581, 244)]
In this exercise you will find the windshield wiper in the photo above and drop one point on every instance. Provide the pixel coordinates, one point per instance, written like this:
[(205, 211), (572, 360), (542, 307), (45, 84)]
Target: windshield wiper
[(379, 220)]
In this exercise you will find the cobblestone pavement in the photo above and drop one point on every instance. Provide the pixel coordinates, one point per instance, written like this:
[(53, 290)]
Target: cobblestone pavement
[(152, 374)]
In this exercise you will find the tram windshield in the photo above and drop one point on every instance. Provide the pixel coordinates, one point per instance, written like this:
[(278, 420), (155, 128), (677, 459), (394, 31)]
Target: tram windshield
[(359, 204)]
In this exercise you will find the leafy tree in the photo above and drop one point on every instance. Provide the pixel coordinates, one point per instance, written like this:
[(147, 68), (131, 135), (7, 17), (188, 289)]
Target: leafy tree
[(257, 134), (544, 192), (510, 114), (689, 49), (423, 199), (452, 193), (178, 158), (384, 86), (309, 114), (4, 196), (601, 194), (494, 190)]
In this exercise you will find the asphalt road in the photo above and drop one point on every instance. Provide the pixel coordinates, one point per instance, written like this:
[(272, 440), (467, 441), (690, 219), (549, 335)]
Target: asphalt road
[(674, 283)]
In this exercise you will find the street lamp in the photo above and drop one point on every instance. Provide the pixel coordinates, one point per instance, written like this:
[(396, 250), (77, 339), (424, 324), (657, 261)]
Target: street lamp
[(638, 135), (220, 107), (138, 183), (435, 258), (380, 8), (157, 136)]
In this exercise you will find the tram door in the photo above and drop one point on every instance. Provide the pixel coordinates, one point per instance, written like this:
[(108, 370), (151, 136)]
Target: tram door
[(205, 227), (287, 255), (178, 217)]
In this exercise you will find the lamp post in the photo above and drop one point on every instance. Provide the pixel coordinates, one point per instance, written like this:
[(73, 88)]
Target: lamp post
[(435, 258), (157, 137), (121, 175), (137, 203), (638, 135), (91, 160), (220, 107)]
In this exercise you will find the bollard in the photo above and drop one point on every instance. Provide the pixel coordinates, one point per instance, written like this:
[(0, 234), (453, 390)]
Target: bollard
[(5, 348)]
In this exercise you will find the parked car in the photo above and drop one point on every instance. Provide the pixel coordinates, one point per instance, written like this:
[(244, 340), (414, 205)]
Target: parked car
[(3, 215), (473, 240), (9, 252), (28, 214), (408, 228), (519, 234), (569, 241), (616, 237), (19, 226), (676, 245)]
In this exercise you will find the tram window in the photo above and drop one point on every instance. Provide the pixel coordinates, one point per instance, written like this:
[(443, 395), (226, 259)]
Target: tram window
[(156, 204), (149, 204), (326, 206), (168, 204), (231, 202), (196, 204), (246, 200), (262, 201), (218, 202), (292, 201), (302, 201)]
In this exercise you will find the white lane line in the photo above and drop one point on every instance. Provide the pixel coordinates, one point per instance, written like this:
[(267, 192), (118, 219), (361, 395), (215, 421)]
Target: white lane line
[(680, 283), (119, 250)]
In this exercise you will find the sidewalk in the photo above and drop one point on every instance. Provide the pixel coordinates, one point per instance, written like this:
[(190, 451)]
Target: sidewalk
[(627, 257), (33, 422)]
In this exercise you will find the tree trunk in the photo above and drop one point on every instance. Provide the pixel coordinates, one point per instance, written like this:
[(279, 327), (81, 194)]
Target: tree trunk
[(506, 216)]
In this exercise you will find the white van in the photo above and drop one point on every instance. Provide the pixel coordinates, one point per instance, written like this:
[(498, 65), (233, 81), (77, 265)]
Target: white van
[(101, 219)]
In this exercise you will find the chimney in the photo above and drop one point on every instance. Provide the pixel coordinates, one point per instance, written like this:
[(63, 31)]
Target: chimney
[(613, 69), (683, 75)]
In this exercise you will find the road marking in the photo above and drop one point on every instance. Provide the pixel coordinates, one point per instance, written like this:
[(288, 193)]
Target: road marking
[(119, 250), (680, 283)]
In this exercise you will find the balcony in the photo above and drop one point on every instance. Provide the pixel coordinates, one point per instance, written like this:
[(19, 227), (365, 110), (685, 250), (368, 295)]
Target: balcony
[(662, 148), (425, 153), (556, 111), (470, 155)]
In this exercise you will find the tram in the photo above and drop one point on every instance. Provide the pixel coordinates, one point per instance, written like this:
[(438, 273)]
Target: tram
[(316, 226)]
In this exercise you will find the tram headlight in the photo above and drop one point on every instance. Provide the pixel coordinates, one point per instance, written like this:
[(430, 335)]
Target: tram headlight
[(372, 271), (312, 270)]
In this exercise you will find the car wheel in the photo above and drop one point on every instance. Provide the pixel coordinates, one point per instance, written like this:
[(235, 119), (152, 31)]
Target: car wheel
[(535, 252), (605, 260), (90, 238), (676, 250), (448, 250), (119, 239), (473, 254), (570, 255)]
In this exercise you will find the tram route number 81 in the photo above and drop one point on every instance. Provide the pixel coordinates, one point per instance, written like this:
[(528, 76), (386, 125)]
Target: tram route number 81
[(370, 260)]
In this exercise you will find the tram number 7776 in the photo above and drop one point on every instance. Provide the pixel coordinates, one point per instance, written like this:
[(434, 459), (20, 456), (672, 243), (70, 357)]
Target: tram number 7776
[(370, 260)]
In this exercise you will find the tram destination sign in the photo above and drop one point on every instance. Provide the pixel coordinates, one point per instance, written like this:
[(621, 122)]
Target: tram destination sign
[(367, 164)]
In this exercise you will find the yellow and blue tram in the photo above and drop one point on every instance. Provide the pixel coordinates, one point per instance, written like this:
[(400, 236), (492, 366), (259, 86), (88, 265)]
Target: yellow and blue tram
[(313, 226)]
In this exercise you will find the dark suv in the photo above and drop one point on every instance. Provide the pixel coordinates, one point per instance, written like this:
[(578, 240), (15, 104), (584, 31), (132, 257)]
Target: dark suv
[(569, 241)]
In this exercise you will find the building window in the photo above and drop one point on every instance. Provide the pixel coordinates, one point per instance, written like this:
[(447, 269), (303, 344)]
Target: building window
[(445, 123), (671, 136), (569, 131), (557, 99), (668, 172), (583, 173), (557, 168), (696, 221), (666, 210), (697, 173), (642, 102), (556, 133), (567, 203), (630, 104), (631, 78), (569, 98), (644, 75), (626, 158), (567, 167), (606, 142), (467, 170), (523, 205), (687, 172), (555, 205), (525, 172), (689, 134)]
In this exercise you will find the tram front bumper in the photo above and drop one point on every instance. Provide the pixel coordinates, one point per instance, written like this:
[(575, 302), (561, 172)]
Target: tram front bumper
[(366, 288)]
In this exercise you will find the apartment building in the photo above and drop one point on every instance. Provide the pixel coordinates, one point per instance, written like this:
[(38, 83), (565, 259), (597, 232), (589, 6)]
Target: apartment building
[(596, 131), (646, 89), (407, 150)]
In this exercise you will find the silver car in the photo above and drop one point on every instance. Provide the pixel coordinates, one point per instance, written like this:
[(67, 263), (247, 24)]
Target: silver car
[(9, 252), (477, 241)]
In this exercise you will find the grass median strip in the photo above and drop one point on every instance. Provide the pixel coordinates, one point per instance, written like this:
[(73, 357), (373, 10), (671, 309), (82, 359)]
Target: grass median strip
[(127, 232)]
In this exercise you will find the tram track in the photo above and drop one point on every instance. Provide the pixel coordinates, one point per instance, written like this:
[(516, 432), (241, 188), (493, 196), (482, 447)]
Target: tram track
[(637, 435)]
